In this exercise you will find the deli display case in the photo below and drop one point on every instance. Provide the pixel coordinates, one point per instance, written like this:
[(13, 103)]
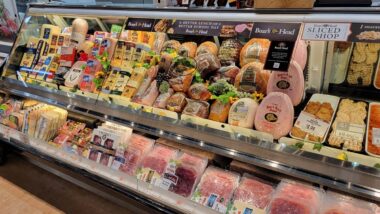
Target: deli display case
[(203, 110)]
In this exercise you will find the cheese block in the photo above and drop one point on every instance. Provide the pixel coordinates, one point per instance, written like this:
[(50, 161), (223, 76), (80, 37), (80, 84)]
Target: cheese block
[(300, 54), (252, 78), (275, 115), (47, 32), (255, 50), (242, 113), (291, 82)]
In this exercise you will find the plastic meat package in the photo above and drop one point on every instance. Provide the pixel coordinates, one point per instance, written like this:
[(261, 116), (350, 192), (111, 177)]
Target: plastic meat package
[(182, 174), (128, 159), (295, 198), (251, 194), (216, 188), (335, 203), (154, 164)]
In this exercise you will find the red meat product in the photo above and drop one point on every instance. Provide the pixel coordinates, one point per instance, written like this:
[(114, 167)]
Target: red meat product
[(216, 188), (127, 160), (295, 198), (188, 172), (154, 164), (254, 192)]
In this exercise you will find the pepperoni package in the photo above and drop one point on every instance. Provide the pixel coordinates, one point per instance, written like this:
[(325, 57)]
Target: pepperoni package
[(216, 188), (292, 197)]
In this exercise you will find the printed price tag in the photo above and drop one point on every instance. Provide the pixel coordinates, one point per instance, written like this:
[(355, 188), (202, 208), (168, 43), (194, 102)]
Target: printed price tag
[(326, 31), (376, 136), (350, 131), (311, 125)]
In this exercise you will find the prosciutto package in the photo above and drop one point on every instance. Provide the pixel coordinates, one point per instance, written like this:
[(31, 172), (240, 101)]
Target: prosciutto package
[(292, 197), (184, 173), (155, 163), (334, 203), (128, 159), (252, 192), (216, 188)]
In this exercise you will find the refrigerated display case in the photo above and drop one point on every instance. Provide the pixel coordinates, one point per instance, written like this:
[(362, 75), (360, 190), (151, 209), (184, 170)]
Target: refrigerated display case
[(291, 94)]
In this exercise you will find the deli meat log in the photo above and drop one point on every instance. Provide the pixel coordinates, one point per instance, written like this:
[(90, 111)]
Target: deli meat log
[(294, 198)]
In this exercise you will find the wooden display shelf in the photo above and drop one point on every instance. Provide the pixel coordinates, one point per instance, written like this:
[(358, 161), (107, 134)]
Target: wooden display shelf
[(294, 4), (17, 200)]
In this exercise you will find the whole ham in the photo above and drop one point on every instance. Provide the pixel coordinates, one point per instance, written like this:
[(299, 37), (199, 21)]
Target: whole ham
[(163, 98), (295, 198), (300, 54), (252, 78), (199, 91), (176, 102), (291, 83), (197, 108), (216, 188), (207, 63), (170, 45), (275, 115), (207, 47), (255, 50), (253, 192), (188, 49), (229, 52), (128, 159), (242, 113)]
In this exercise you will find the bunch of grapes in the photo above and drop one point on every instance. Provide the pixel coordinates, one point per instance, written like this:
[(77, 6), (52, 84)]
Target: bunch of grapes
[(162, 76)]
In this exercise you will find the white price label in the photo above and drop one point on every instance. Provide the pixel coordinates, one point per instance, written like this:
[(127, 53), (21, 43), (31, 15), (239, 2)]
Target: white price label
[(376, 136), (311, 125), (326, 31), (350, 131)]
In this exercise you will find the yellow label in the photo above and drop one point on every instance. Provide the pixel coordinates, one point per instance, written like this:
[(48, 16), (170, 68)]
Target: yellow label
[(150, 176)]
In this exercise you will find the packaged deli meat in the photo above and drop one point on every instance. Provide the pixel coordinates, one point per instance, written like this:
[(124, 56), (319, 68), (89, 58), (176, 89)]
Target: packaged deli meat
[(255, 50), (291, 82), (275, 115), (372, 145), (149, 96), (176, 102), (128, 159), (252, 78), (228, 73), (183, 173), (166, 60), (187, 49), (163, 98), (314, 121), (182, 71), (363, 63), (170, 45), (216, 188), (149, 77), (229, 52), (291, 197), (341, 58), (199, 91), (207, 63), (334, 203), (300, 54), (242, 113), (219, 111), (251, 194), (207, 47), (154, 164), (196, 108), (349, 126)]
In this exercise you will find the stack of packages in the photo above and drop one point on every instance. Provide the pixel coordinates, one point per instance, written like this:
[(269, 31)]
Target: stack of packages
[(105, 141)]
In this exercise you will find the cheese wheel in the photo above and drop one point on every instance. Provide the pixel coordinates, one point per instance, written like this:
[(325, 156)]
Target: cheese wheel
[(79, 31), (242, 113), (275, 115), (252, 78), (291, 83), (255, 50)]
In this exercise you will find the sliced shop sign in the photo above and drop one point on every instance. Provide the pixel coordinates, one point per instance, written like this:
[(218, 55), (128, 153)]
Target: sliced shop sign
[(326, 31), (276, 31)]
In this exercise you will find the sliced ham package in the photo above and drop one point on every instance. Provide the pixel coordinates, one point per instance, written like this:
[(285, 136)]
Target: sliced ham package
[(251, 195), (275, 115), (154, 164), (128, 159), (242, 113), (216, 188), (291, 197), (182, 174), (291, 82), (334, 203)]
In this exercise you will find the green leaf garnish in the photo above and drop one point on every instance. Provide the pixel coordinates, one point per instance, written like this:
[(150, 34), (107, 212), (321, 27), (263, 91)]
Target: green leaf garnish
[(318, 147), (377, 165)]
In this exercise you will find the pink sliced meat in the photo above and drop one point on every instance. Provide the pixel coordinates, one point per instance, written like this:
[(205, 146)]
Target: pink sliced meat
[(149, 77), (162, 99), (254, 192), (189, 172), (291, 83), (295, 198), (158, 159), (138, 148), (300, 54), (149, 96)]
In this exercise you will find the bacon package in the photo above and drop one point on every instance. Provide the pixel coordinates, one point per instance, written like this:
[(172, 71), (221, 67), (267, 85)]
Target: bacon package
[(182, 174), (216, 188), (252, 194), (334, 203), (154, 164), (291, 197), (128, 159)]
